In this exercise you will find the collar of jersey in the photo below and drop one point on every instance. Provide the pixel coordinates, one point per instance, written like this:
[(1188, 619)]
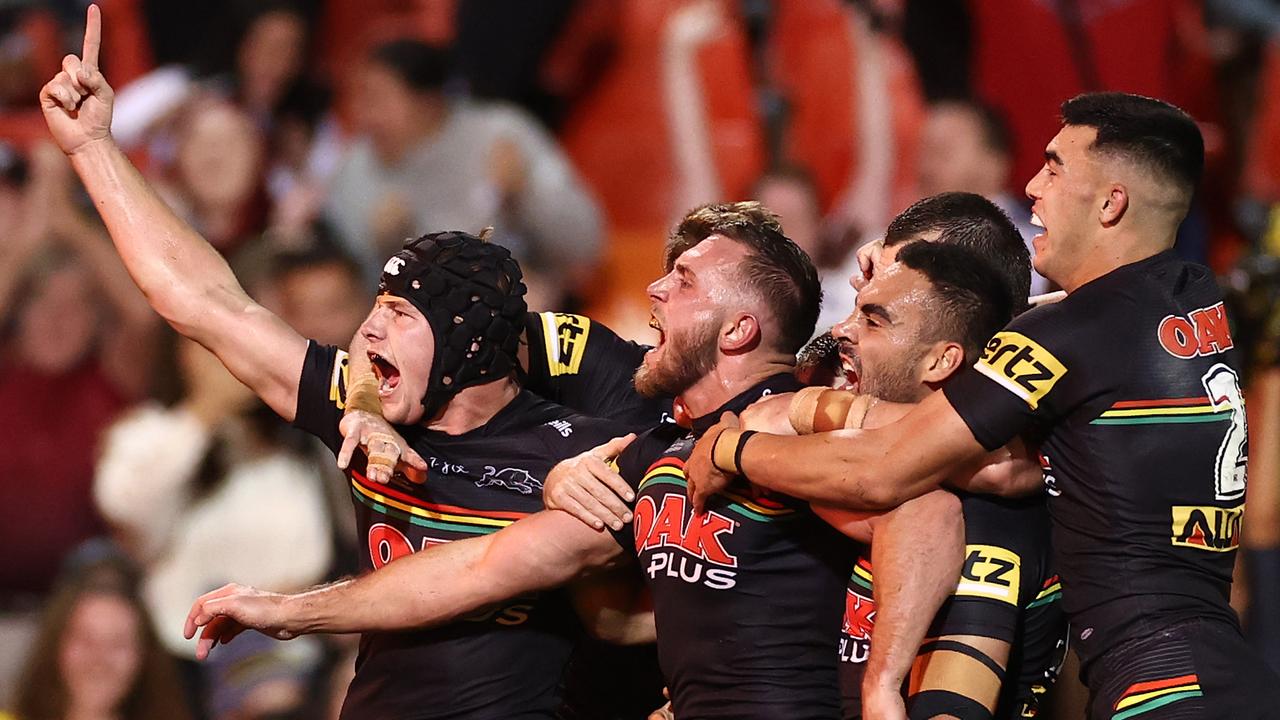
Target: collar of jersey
[(772, 385)]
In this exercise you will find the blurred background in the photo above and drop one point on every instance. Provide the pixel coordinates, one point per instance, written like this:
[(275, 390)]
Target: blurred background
[(306, 139)]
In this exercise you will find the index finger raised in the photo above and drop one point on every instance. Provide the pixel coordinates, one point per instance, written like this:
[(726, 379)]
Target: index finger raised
[(92, 37)]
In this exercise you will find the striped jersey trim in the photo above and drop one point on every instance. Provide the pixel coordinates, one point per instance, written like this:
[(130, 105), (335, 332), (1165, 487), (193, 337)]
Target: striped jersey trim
[(395, 504), (670, 471), (1144, 697), (1165, 411)]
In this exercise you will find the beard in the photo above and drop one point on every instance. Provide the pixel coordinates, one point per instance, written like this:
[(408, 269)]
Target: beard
[(893, 381), (687, 357)]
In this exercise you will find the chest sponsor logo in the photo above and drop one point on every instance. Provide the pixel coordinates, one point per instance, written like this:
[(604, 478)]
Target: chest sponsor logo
[(566, 341), (387, 543), (564, 427), (855, 633), (684, 547), (1022, 366), (514, 479), (1201, 332), (991, 572), (1207, 528)]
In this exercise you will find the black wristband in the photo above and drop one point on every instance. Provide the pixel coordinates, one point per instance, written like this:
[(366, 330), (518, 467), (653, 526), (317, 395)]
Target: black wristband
[(737, 451)]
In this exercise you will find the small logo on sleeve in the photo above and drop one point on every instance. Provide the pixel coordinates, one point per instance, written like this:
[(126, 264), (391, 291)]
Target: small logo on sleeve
[(566, 342), (338, 380), (990, 571), (1022, 366)]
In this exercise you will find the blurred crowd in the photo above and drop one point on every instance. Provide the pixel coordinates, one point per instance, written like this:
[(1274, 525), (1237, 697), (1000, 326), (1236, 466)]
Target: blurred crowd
[(306, 139)]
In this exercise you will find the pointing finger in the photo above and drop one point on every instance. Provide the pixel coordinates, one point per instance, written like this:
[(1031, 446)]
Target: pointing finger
[(92, 37)]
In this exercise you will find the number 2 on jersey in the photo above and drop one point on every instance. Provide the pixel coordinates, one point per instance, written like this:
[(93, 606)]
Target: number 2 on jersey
[(1223, 387)]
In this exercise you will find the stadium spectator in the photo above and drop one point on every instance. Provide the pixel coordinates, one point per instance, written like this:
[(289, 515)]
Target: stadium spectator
[(429, 160), (96, 657)]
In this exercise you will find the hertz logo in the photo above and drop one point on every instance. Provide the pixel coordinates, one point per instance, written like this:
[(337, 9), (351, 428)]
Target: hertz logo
[(991, 572), (1207, 528), (1020, 365)]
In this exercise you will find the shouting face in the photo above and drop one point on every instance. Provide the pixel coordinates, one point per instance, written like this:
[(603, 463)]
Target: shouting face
[(689, 307), (401, 350)]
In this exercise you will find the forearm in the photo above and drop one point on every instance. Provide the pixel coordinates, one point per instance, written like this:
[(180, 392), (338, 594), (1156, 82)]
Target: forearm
[(95, 249), (837, 470), (181, 275), (442, 583), (915, 571)]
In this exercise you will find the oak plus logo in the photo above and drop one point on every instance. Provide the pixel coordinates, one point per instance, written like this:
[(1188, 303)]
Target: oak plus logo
[(1202, 332), (690, 548), (855, 632)]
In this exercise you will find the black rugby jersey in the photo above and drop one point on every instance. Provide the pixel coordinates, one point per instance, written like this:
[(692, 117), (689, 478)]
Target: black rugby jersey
[(1007, 591), (582, 364), (1132, 386), (748, 597), (503, 662)]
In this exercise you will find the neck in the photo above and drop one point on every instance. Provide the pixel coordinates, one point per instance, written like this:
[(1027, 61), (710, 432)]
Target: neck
[(474, 406), (731, 377), (1111, 253)]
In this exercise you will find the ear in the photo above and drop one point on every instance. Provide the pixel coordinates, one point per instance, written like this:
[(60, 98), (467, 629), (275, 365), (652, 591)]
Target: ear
[(1117, 203), (944, 360), (740, 333)]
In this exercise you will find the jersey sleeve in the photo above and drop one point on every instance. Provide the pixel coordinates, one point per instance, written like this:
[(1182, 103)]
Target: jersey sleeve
[(1024, 380), (322, 393), (1003, 551), (584, 365)]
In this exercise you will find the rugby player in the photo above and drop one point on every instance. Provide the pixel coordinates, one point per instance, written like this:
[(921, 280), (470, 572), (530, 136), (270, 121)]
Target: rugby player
[(443, 333), (996, 645), (1131, 385)]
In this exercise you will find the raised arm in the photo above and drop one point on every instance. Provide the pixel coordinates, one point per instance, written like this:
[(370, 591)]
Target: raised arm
[(427, 588), (183, 278)]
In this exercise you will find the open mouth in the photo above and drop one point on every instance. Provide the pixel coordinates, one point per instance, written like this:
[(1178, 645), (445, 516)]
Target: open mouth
[(1035, 220), (662, 338), (388, 374), (848, 380)]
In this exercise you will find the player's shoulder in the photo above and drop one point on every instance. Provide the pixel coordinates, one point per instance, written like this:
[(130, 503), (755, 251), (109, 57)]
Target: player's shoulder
[(561, 427), (663, 440)]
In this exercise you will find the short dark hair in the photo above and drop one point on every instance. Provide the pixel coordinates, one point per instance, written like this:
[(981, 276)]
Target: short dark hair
[(776, 268), (425, 68), (1159, 136), (975, 223), (973, 300)]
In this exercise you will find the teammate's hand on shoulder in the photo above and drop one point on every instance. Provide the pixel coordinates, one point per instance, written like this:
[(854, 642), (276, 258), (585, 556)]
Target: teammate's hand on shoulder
[(771, 414), (230, 610), (387, 450), (704, 478), (868, 262), (77, 102), (588, 488)]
